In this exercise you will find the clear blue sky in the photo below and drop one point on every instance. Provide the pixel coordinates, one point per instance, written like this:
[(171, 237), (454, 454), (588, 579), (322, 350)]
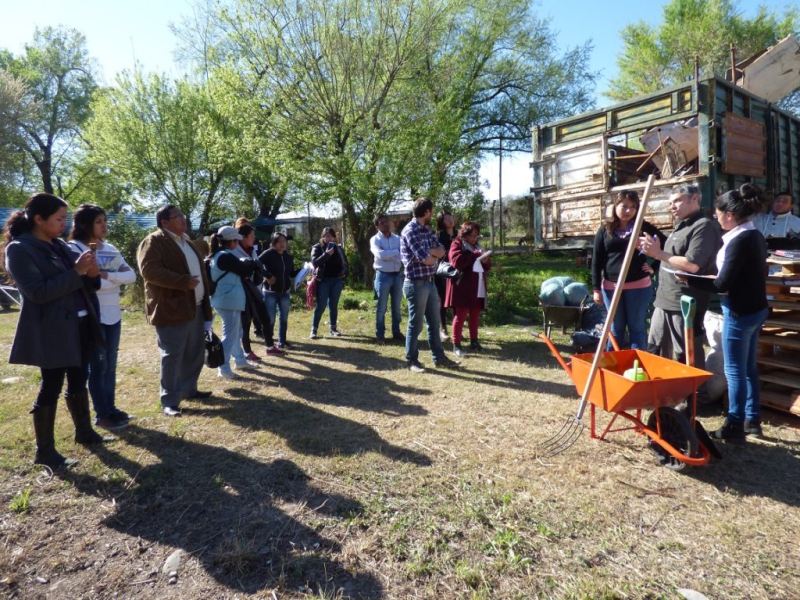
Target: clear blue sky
[(119, 32)]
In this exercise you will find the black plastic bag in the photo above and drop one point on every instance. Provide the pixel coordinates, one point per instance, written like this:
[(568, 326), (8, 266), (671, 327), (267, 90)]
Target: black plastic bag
[(215, 356)]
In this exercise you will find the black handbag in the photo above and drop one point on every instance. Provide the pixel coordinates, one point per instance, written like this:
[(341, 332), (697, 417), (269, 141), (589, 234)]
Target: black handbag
[(447, 271), (215, 356)]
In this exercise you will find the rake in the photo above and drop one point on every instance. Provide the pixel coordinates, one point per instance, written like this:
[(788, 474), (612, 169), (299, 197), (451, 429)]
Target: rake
[(571, 430)]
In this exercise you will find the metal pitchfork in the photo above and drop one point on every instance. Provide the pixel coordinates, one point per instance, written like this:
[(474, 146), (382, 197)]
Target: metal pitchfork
[(572, 428)]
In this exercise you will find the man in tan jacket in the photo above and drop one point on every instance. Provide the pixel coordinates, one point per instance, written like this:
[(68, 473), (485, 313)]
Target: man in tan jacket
[(177, 304)]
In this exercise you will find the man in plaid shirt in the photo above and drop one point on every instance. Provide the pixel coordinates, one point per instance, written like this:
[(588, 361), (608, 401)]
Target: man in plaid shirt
[(420, 252)]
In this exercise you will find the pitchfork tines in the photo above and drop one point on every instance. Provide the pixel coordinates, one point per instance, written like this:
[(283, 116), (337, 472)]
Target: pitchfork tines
[(563, 440)]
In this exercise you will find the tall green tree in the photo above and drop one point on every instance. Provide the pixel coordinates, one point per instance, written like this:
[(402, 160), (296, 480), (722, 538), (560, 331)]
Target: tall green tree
[(371, 101), (167, 140), (59, 78), (656, 57)]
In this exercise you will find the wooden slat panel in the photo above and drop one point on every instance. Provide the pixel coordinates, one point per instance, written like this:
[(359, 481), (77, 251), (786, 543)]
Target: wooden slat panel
[(745, 146), (785, 379), (787, 341), (785, 402), (779, 363)]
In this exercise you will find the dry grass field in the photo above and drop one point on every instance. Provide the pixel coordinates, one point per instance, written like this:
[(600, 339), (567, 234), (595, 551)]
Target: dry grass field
[(335, 473)]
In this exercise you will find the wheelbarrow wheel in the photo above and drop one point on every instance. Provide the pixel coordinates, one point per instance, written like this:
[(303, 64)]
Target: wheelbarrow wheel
[(676, 431)]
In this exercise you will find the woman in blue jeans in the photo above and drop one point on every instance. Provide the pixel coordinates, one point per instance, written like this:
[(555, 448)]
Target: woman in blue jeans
[(89, 227), (279, 271), (741, 282), (226, 271), (330, 262), (610, 244)]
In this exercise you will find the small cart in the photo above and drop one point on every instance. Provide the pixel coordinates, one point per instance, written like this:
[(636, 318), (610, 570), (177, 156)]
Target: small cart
[(670, 432)]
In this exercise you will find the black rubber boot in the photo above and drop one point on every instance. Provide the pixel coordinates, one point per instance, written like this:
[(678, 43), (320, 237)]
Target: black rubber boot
[(731, 431), (44, 419), (78, 405)]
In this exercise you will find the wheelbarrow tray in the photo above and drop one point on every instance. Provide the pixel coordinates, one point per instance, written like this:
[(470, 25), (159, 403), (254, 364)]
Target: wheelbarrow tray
[(669, 382)]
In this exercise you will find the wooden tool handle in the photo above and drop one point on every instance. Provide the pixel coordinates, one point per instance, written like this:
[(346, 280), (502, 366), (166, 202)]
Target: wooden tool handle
[(612, 309)]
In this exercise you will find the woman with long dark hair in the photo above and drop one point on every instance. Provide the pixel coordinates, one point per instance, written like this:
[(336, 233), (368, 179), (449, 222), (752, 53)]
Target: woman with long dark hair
[(89, 231), (467, 295), (330, 262), (254, 306), (741, 282), (279, 272), (446, 233), (610, 244), (58, 328)]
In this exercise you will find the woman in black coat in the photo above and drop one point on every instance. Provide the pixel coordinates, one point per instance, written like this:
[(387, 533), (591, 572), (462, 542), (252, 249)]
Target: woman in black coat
[(330, 263), (58, 326)]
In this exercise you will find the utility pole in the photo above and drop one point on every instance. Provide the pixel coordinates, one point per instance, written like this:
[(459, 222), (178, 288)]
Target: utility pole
[(500, 192)]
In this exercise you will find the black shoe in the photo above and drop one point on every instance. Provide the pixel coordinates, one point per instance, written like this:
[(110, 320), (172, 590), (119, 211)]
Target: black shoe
[(78, 405), (111, 423), (399, 337), (731, 431), (380, 340), (445, 363), (475, 345), (753, 427), (198, 395), (336, 333), (415, 366), (121, 415), (172, 411)]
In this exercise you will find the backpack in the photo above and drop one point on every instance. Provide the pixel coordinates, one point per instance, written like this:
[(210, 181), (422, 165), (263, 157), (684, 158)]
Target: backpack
[(212, 283)]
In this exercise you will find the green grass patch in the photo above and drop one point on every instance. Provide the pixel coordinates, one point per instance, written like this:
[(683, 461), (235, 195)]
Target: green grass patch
[(21, 502)]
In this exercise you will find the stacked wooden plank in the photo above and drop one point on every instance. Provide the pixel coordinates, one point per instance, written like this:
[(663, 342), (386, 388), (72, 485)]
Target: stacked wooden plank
[(779, 352)]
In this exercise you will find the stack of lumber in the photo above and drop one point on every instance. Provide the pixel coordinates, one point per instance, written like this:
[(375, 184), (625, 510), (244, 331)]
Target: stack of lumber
[(779, 352)]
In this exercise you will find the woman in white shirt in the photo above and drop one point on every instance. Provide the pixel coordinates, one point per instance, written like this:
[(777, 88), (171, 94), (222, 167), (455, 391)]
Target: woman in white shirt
[(89, 230)]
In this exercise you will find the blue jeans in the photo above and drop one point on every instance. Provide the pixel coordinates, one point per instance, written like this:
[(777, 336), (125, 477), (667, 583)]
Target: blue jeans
[(278, 302), (386, 285), (423, 302), (631, 315), (739, 346), (231, 338), (328, 291), (103, 371)]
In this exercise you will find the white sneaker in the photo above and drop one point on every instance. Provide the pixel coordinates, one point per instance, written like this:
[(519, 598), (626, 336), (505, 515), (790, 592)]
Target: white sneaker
[(459, 351), (247, 366), (443, 335), (227, 375)]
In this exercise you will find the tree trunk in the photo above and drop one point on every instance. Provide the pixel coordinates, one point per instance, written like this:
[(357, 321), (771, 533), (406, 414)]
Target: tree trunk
[(46, 169)]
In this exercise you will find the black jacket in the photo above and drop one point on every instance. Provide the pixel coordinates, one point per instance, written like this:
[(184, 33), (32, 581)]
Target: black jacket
[(280, 266), (329, 265), (47, 334), (743, 276), (609, 253)]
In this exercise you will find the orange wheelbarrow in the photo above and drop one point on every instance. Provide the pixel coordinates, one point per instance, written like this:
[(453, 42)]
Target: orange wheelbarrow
[(677, 439)]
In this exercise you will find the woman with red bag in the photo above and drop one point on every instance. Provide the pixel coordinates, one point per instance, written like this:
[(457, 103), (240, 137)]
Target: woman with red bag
[(466, 294)]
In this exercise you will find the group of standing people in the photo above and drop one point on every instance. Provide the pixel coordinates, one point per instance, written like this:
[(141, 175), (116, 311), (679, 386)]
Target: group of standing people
[(411, 264), (702, 256)]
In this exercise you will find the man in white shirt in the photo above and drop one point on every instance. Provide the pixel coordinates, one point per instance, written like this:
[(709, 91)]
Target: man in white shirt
[(385, 248), (177, 304), (779, 222)]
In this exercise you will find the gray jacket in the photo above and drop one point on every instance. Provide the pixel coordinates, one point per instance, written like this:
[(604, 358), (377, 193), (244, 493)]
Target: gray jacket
[(47, 331)]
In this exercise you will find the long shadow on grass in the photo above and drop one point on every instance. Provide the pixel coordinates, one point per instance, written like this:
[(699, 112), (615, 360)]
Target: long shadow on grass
[(323, 384), (755, 469), (306, 429), (220, 506)]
